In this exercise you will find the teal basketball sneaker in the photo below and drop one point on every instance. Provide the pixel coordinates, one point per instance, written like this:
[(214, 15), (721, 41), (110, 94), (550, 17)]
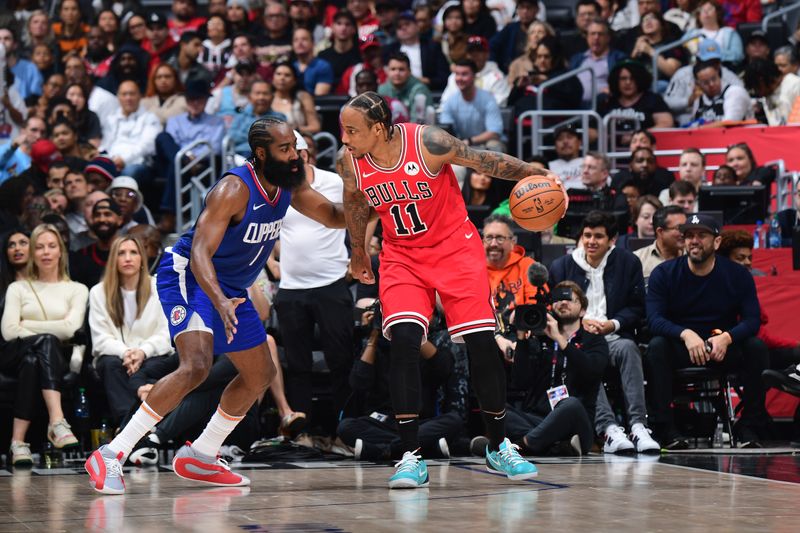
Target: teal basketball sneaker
[(412, 472), (508, 461)]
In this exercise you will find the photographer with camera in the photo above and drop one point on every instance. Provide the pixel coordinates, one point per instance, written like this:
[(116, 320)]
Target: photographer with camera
[(561, 369), (612, 279)]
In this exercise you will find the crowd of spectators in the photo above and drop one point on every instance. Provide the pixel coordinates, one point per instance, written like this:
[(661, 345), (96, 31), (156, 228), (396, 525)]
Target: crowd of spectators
[(99, 97)]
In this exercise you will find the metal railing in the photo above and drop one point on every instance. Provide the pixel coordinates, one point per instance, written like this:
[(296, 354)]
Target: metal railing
[(780, 14), (330, 151), (567, 75), (657, 51), (538, 131), (610, 135), (196, 186)]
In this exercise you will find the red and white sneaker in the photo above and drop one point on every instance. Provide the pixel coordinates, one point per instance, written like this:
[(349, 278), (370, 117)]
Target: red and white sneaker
[(195, 466), (105, 471)]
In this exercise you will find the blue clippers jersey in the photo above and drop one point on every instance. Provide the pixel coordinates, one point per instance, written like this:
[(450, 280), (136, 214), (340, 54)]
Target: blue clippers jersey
[(246, 246)]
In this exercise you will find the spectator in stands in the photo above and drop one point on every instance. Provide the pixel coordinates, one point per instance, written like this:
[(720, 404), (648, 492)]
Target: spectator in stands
[(70, 32), (569, 164), (243, 52), (626, 40), (159, 44), (59, 108), (480, 189), (524, 64), (129, 63), (294, 103), (77, 189), (100, 172), (386, 12), (669, 240), (65, 137), (361, 10), (108, 23), (454, 38), (34, 353), (275, 41), (13, 110), (28, 79), (428, 63), (509, 43), (756, 47), (423, 14), (216, 46), (402, 86), (16, 194), (101, 102), (86, 120), (39, 31), (134, 30), (595, 178), (684, 195), (724, 175), (185, 61), (370, 49), (15, 155), (367, 81), (227, 99), (473, 113), (316, 74), (612, 280), (302, 15), (641, 221), (125, 192), (44, 59), (740, 157), (716, 295), (682, 15), (600, 57), (52, 89), (789, 219), (654, 33), (237, 14), (56, 172), (343, 52), (629, 88), (184, 18), (651, 178), (98, 55), (786, 60), (711, 25), (130, 134), (127, 324), (777, 91), (574, 42), (164, 97), (56, 201), (87, 264), (479, 20), (691, 169), (259, 107), (489, 77), (549, 63), (13, 261), (151, 240)]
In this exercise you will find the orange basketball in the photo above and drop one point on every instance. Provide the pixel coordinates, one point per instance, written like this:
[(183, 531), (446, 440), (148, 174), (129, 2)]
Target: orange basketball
[(537, 203)]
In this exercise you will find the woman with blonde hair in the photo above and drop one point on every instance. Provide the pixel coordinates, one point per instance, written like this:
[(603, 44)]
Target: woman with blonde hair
[(127, 324), (41, 313), (524, 64)]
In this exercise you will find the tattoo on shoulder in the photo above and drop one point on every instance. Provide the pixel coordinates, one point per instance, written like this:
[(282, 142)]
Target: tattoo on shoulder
[(438, 142)]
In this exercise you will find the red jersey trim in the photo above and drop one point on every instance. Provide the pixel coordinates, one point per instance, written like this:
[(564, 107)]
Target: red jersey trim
[(273, 202), (399, 161), (421, 156)]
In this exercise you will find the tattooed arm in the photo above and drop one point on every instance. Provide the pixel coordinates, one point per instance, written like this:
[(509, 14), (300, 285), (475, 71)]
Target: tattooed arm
[(357, 214), (441, 148)]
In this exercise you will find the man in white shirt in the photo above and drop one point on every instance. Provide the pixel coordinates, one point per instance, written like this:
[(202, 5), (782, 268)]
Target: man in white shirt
[(718, 103), (489, 77), (569, 165), (130, 135), (313, 292)]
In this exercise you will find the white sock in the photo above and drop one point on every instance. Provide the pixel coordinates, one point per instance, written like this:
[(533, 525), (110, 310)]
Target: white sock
[(140, 425), (217, 430)]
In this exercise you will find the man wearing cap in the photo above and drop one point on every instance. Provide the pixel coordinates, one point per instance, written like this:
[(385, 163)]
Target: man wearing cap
[(428, 63), (510, 42), (343, 52), (159, 43), (99, 172), (43, 154), (703, 310), (489, 77), (756, 46), (87, 264), (370, 48), (125, 192), (682, 90), (718, 103), (15, 156), (402, 86), (569, 164)]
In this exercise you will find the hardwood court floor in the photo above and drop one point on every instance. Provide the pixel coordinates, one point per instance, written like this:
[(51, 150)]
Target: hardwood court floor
[(702, 493)]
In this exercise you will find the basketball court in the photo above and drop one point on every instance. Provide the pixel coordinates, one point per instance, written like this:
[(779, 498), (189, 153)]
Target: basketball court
[(680, 492)]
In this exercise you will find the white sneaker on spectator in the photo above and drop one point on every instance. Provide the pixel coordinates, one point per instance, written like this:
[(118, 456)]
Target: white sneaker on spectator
[(616, 441), (444, 448), (640, 436)]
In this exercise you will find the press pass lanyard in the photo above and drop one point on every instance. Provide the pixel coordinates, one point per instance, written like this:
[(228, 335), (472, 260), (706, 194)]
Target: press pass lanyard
[(556, 351)]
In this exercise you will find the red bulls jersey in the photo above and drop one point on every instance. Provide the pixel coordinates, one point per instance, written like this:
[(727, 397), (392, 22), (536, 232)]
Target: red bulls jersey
[(417, 207)]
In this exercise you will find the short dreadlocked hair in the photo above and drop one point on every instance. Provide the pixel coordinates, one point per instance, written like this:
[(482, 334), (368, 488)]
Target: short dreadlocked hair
[(375, 109), (260, 134)]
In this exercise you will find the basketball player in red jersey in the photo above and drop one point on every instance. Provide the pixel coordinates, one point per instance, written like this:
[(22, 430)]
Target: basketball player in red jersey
[(403, 173)]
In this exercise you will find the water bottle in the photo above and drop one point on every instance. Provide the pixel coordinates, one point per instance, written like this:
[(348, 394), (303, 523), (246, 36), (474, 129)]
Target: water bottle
[(82, 416), (757, 241), (105, 432), (774, 233)]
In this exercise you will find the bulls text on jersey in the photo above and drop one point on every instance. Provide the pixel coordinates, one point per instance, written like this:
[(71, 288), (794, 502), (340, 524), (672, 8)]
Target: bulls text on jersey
[(387, 193), (266, 231)]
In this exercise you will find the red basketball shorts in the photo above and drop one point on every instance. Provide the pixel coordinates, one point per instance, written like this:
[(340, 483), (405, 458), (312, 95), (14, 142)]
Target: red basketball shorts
[(455, 269)]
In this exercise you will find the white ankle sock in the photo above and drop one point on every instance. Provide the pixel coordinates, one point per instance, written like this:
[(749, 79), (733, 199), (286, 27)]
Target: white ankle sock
[(141, 423), (215, 433)]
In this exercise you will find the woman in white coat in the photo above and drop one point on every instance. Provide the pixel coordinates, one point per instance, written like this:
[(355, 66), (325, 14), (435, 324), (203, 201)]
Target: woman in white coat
[(127, 323)]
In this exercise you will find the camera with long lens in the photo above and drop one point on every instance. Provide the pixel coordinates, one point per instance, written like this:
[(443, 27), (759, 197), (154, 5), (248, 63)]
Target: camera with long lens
[(533, 317)]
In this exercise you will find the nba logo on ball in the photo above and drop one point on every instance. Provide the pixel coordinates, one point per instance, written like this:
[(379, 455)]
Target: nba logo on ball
[(412, 169), (177, 315)]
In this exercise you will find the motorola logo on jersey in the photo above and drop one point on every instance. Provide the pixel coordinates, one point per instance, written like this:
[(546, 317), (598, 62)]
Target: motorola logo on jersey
[(384, 193), (412, 168), (266, 231)]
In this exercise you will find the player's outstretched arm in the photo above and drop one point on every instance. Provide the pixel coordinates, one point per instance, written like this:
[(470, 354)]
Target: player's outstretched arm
[(316, 207), (442, 148), (357, 212), (224, 203)]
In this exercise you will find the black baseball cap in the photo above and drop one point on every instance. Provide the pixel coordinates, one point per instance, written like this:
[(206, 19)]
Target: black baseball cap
[(569, 128), (197, 88), (701, 221), (106, 203), (156, 19)]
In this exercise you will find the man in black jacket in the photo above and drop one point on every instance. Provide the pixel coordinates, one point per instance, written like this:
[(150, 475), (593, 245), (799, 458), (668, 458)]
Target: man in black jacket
[(614, 285), (428, 63)]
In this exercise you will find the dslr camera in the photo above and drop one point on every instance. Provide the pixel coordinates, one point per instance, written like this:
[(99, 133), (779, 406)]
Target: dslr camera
[(533, 317)]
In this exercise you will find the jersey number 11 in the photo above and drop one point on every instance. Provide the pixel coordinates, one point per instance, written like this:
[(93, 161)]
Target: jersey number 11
[(400, 227)]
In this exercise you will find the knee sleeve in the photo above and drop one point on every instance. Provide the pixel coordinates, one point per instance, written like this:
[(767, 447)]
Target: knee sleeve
[(405, 380), (486, 371)]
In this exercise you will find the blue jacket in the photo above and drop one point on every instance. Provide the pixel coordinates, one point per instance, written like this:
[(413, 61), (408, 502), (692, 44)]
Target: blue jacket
[(623, 284), (502, 45), (434, 65), (614, 57)]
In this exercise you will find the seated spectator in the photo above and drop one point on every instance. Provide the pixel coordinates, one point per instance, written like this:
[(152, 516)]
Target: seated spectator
[(164, 97), (302, 14), (185, 61), (473, 113), (641, 221), (684, 195), (454, 38), (52, 89), (259, 107), (428, 63), (86, 120), (292, 102), (15, 156), (626, 39), (227, 99), (479, 20), (38, 31), (65, 136), (98, 52), (88, 263), (367, 81), (691, 169), (184, 18), (789, 219), (43, 154), (59, 108), (127, 324), (489, 77), (599, 56), (549, 63), (125, 192), (569, 165), (596, 180), (133, 30), (371, 54), (724, 175), (129, 64), (159, 44), (574, 42), (28, 79), (632, 190), (150, 238), (710, 24), (130, 134), (216, 46), (524, 64), (102, 102), (100, 172), (740, 157), (45, 60), (654, 33), (480, 189), (70, 32), (629, 88), (509, 43), (402, 86), (77, 190), (365, 19), (275, 40), (612, 280), (682, 15), (711, 321), (56, 201), (343, 52), (13, 261), (35, 336), (669, 240), (56, 172), (786, 60), (756, 47), (650, 178), (777, 92), (243, 51), (316, 74), (16, 194)]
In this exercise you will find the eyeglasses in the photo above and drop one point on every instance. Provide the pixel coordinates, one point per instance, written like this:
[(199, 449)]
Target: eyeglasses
[(121, 194), (499, 239)]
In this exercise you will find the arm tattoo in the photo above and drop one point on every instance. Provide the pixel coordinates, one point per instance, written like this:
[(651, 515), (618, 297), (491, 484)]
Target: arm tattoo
[(356, 208), (495, 164)]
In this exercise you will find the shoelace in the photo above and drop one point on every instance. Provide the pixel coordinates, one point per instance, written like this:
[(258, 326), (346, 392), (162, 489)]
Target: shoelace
[(113, 467), (510, 455), (223, 463), (409, 462)]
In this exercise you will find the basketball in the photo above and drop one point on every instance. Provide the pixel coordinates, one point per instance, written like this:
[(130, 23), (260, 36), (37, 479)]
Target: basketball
[(537, 203)]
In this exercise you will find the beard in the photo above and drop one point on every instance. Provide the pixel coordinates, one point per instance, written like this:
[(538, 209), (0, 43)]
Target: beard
[(286, 175), (701, 257), (104, 231)]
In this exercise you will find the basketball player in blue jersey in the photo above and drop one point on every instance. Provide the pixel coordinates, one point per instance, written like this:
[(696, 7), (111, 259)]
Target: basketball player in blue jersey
[(202, 284)]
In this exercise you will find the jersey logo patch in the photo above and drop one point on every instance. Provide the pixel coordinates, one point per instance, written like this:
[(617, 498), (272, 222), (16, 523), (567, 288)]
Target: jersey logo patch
[(177, 315), (257, 207), (412, 169)]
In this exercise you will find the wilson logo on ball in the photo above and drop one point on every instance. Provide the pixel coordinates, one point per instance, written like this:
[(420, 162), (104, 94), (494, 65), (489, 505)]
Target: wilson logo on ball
[(537, 203)]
